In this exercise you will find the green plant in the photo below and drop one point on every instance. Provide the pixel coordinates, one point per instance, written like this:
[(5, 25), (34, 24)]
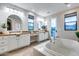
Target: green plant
[(4, 25), (43, 27), (77, 34)]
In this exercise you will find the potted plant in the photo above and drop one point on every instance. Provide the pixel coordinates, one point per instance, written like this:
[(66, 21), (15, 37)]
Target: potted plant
[(44, 28), (77, 34), (4, 26)]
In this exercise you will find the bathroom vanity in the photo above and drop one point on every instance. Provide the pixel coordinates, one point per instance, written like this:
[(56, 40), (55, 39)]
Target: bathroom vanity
[(34, 36), (43, 35), (12, 41), (38, 36)]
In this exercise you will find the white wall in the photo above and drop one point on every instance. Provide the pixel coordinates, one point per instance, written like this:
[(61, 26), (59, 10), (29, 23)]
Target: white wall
[(4, 15), (60, 24)]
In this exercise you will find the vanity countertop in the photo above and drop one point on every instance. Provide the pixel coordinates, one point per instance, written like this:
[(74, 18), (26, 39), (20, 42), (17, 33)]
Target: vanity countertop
[(33, 34), (8, 33), (14, 33)]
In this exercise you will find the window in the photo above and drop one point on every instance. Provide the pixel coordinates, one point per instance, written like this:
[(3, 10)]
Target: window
[(70, 22), (30, 23)]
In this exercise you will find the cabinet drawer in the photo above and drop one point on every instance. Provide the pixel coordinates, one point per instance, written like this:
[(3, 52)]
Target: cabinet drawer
[(3, 42), (3, 49)]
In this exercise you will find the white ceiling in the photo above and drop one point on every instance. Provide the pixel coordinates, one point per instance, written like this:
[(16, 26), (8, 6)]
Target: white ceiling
[(45, 9)]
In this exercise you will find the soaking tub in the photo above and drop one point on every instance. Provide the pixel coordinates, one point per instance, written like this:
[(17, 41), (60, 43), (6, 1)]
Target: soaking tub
[(63, 47)]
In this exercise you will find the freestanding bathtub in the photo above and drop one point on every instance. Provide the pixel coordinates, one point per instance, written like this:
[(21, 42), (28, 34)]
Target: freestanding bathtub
[(63, 47)]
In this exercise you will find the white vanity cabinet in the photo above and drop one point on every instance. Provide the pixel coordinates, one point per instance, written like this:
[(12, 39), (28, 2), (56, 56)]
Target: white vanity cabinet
[(19, 41), (3, 41), (3, 45), (41, 36), (12, 42), (23, 40), (46, 35), (26, 39)]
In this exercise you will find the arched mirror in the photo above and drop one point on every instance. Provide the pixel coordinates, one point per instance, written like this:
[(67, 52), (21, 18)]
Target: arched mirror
[(14, 23), (9, 25)]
